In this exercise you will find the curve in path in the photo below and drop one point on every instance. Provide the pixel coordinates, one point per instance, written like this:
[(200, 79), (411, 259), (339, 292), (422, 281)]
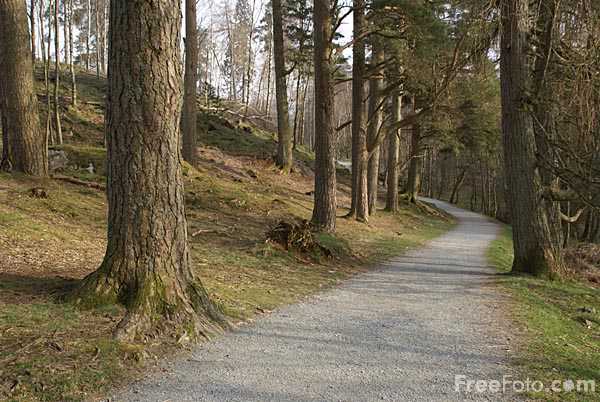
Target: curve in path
[(399, 333)]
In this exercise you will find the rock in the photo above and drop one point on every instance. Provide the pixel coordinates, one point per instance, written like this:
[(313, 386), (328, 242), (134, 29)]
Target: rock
[(57, 160), (39, 192), (588, 310)]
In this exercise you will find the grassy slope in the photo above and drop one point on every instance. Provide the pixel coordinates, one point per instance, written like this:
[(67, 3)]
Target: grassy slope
[(558, 345), (51, 351)]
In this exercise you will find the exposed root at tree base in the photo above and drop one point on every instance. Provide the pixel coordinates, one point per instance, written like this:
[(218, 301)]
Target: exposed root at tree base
[(187, 316)]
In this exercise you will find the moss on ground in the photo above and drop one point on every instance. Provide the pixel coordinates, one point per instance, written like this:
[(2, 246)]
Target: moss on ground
[(561, 327)]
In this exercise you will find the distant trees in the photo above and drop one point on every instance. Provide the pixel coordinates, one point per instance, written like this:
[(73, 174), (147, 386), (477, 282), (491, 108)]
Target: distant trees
[(147, 265), (24, 145)]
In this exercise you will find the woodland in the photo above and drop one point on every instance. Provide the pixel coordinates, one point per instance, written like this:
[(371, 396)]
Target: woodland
[(161, 158)]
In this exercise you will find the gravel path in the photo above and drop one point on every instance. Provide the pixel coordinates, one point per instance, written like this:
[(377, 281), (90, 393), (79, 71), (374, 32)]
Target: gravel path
[(399, 333)]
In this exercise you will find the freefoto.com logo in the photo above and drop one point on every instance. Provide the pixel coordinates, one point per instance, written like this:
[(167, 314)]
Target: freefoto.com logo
[(508, 384)]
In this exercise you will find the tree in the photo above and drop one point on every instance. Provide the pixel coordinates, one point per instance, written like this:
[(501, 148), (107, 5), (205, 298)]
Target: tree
[(375, 120), (360, 205), (536, 252), (189, 119), (57, 125), (324, 213), (147, 265), (285, 144), (20, 124), (391, 200)]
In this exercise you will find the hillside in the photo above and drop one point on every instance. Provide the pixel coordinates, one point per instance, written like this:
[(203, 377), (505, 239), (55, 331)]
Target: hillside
[(52, 233)]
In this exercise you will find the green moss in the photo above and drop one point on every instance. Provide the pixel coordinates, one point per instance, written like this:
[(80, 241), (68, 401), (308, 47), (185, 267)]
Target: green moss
[(558, 345)]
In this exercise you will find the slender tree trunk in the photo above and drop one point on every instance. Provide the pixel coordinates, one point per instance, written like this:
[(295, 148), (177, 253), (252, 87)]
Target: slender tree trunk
[(89, 34), (20, 123), (457, 186), (57, 125), (32, 22), (65, 31), (147, 265), (360, 204), (189, 120), (391, 201), (46, 62), (97, 7), (414, 166), (285, 146), (269, 69), (374, 125), (71, 64), (536, 252), (297, 109), (324, 213)]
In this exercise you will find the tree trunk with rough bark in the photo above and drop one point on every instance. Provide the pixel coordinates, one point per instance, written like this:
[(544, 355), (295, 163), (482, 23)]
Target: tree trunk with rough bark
[(147, 265), (190, 112), (375, 120), (536, 252), (391, 201), (359, 207), (21, 126), (285, 141), (324, 213)]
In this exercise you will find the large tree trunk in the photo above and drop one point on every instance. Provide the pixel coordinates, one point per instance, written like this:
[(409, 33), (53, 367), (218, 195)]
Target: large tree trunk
[(147, 264), (375, 120), (391, 201), (21, 125), (536, 252), (324, 213), (285, 145), (189, 118), (57, 125), (360, 204)]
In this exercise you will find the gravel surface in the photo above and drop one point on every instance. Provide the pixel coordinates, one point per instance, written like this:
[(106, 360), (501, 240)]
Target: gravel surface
[(399, 333)]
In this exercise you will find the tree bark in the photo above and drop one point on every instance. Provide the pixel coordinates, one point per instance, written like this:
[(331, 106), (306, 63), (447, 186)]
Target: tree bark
[(21, 125), (359, 207), (189, 118), (147, 265), (374, 125), (536, 252), (57, 125), (324, 213), (285, 143), (416, 160), (391, 201)]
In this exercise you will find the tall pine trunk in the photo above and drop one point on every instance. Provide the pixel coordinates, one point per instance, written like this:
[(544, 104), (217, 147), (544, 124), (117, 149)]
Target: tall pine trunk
[(536, 251), (21, 127), (375, 121), (32, 22), (324, 213), (147, 265), (285, 143), (391, 201), (360, 204), (189, 118), (71, 62), (57, 124), (413, 185)]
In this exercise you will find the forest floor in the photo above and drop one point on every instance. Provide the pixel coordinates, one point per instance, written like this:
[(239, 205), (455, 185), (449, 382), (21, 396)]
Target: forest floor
[(52, 351), (401, 332)]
